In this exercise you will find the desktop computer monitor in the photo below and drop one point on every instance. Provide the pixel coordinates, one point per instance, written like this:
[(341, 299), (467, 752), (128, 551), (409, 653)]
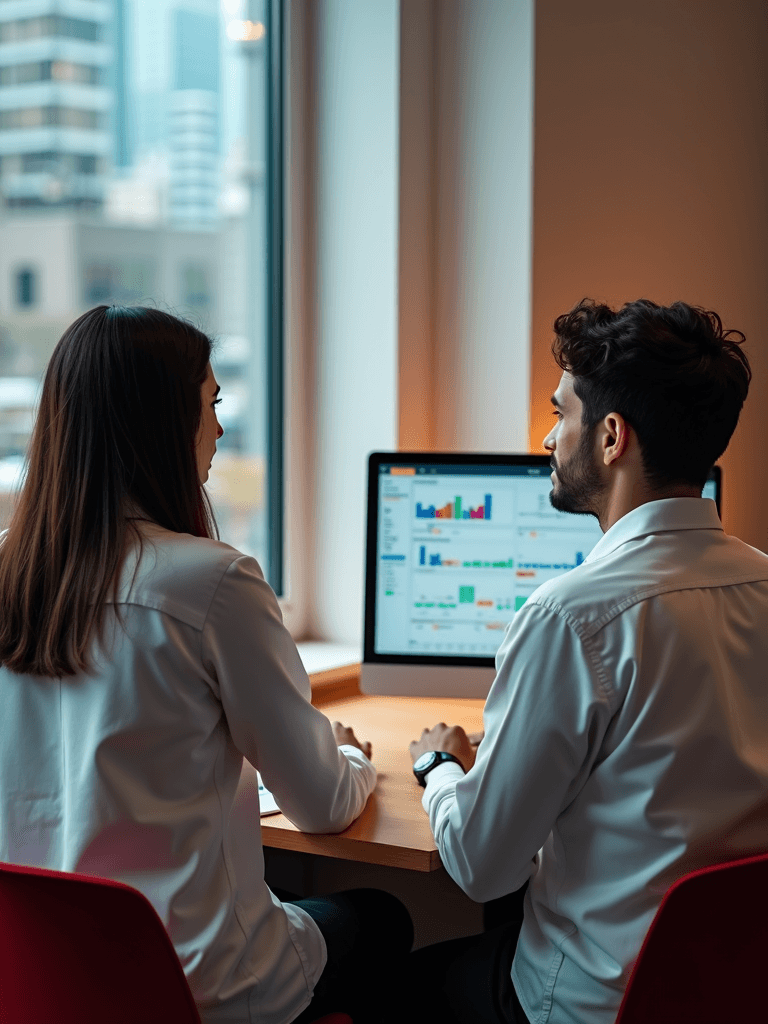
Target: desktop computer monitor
[(456, 543)]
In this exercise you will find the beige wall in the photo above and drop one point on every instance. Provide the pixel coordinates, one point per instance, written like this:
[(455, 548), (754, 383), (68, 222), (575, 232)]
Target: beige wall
[(417, 217), (466, 84), (651, 179)]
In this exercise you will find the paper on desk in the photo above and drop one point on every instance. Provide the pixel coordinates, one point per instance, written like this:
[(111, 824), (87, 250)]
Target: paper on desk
[(267, 803)]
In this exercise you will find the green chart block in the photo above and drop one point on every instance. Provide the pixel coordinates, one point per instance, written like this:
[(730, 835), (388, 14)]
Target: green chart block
[(519, 602), (466, 595)]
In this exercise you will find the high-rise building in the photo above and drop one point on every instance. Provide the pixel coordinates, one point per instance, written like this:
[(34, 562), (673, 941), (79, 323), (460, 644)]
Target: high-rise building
[(194, 119), (121, 120), (56, 96)]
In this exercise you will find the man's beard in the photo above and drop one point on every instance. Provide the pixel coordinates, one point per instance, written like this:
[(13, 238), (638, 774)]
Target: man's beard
[(578, 480)]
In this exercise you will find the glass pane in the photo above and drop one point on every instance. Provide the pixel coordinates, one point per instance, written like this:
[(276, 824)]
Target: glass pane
[(132, 170)]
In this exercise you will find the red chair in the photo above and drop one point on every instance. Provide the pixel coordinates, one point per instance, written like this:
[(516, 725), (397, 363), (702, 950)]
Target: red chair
[(701, 962), (81, 950)]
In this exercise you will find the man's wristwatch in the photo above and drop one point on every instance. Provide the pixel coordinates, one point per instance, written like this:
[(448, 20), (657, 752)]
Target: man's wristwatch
[(424, 764)]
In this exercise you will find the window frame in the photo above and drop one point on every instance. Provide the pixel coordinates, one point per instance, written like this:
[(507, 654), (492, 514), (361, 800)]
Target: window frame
[(275, 310)]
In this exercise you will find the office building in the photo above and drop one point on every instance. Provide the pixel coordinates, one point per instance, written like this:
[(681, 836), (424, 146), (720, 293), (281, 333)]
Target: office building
[(194, 119), (56, 98), (55, 265)]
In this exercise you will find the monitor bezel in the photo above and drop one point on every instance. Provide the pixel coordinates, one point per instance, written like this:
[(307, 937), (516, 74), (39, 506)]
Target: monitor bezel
[(479, 459)]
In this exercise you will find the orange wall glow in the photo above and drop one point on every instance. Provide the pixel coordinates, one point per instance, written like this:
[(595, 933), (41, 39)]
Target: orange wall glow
[(651, 180)]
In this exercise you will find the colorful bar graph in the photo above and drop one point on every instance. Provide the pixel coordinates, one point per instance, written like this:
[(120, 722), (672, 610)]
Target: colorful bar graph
[(561, 566), (467, 596), (455, 510), (564, 566), (432, 560)]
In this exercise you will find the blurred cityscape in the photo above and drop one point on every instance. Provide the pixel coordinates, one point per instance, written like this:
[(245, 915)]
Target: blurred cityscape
[(132, 145)]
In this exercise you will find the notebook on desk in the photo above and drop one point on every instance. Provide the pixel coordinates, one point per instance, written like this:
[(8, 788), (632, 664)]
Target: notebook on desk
[(456, 543)]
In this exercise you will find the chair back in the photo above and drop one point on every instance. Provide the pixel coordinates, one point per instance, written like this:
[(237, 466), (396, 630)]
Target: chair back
[(701, 962), (81, 950)]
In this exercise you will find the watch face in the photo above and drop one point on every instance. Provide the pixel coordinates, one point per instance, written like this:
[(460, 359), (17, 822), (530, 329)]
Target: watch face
[(424, 761)]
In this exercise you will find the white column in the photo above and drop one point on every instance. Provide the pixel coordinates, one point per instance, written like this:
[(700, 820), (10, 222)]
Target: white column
[(483, 232), (355, 343)]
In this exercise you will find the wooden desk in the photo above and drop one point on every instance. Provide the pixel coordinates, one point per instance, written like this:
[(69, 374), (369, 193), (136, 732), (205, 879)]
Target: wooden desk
[(393, 829)]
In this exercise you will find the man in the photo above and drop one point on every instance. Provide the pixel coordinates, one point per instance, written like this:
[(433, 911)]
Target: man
[(626, 732)]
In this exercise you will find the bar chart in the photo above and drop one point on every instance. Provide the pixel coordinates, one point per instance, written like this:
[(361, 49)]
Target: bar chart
[(455, 509), (466, 598), (438, 559)]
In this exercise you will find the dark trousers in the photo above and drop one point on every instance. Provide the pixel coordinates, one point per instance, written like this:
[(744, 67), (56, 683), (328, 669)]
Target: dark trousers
[(467, 981), (368, 934)]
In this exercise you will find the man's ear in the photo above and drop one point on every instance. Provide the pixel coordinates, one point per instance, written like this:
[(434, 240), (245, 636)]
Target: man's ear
[(615, 437)]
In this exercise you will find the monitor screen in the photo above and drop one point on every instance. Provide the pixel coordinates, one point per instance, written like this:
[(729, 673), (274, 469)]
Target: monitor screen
[(459, 548)]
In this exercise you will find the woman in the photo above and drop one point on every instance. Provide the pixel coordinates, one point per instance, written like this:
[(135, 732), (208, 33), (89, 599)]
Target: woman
[(141, 660)]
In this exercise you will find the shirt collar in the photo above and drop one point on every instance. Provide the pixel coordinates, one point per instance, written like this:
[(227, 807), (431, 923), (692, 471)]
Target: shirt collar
[(663, 516)]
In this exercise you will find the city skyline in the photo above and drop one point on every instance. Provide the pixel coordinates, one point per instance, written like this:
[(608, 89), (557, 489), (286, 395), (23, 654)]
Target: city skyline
[(90, 111)]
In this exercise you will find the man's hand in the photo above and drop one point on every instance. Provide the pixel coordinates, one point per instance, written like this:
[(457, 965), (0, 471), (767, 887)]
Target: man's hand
[(344, 735), (450, 738)]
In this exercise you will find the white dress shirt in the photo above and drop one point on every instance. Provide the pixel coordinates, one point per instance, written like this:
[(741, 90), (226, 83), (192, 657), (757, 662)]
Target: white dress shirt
[(626, 743), (130, 772)]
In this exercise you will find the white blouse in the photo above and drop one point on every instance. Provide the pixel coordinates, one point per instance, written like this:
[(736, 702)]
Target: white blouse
[(130, 771)]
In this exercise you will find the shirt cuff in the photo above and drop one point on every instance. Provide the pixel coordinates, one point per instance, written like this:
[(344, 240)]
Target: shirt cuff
[(350, 748), (355, 754), (446, 774)]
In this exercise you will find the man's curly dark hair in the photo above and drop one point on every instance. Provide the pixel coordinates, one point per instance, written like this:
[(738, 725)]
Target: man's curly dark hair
[(672, 372)]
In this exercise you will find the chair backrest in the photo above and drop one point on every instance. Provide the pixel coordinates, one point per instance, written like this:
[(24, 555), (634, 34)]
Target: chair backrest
[(81, 950), (701, 962)]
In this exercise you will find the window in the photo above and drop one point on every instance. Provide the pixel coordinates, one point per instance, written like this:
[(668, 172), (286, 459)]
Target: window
[(84, 164), (52, 163), (123, 281), (36, 117), (20, 74), (26, 288), (171, 141), (35, 163), (22, 29), (47, 71), (196, 287), (66, 71)]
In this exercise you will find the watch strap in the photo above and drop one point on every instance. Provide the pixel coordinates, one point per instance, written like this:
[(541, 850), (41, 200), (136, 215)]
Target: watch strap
[(441, 757)]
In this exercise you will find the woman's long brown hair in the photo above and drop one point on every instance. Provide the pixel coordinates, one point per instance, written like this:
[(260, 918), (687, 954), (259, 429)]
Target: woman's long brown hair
[(114, 438)]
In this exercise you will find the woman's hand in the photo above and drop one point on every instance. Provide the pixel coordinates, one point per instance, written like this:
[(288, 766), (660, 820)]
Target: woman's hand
[(344, 736)]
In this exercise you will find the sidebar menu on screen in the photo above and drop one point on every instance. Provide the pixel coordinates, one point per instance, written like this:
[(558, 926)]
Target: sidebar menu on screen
[(393, 574)]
